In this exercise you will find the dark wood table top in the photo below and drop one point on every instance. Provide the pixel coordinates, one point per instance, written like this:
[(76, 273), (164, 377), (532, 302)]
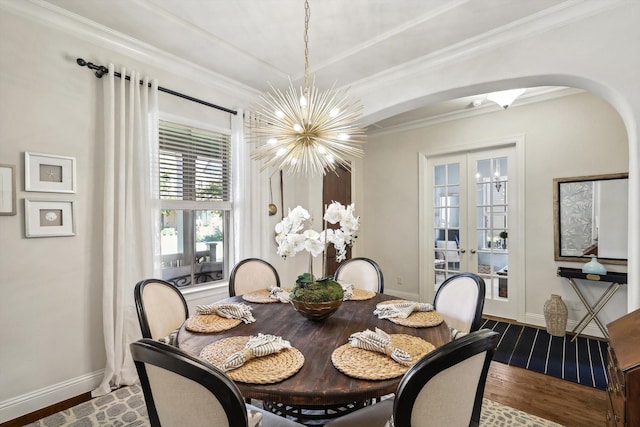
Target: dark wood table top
[(318, 383)]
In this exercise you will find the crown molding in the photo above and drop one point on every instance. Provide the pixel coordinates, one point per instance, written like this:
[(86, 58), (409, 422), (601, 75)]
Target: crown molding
[(85, 29), (485, 108)]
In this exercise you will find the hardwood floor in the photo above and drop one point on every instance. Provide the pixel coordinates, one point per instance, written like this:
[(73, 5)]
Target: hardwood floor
[(554, 399)]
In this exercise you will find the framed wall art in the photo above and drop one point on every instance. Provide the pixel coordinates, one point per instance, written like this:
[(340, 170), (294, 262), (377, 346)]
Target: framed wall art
[(7, 190), (49, 173), (49, 218)]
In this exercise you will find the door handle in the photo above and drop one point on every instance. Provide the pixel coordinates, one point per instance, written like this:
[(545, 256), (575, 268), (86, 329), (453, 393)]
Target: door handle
[(463, 251), (473, 251)]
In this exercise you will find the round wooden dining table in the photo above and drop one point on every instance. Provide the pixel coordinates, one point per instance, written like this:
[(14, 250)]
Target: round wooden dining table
[(318, 383)]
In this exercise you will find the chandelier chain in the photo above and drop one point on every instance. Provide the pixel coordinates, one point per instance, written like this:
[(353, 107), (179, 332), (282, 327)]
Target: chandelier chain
[(307, 13)]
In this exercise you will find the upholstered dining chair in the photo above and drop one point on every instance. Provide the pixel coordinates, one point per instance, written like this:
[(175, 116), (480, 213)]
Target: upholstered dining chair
[(161, 308), (444, 388), (362, 273), (460, 301), (252, 274), (182, 390)]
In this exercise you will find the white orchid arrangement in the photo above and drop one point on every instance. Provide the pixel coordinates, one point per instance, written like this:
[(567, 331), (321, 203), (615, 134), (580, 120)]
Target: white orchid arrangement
[(293, 238)]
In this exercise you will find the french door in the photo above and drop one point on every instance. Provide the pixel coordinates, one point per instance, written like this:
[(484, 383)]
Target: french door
[(474, 212)]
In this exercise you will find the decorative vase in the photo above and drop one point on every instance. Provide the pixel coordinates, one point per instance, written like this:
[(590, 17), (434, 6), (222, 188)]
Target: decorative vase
[(594, 267), (555, 316), (316, 310)]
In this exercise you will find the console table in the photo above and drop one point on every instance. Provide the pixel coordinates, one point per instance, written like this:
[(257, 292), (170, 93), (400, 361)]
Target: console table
[(615, 280)]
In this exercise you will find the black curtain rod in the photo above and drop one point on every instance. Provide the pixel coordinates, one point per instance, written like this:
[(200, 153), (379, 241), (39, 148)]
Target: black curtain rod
[(101, 70)]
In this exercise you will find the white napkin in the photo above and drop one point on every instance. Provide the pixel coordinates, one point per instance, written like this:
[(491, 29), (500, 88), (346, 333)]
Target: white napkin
[(257, 346), (230, 310), (348, 291), (380, 341), (401, 309), (279, 294), (455, 334)]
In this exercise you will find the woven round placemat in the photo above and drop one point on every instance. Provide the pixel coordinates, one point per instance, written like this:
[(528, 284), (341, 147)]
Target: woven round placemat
[(417, 319), (361, 295), (370, 365), (210, 323), (260, 296), (268, 369)]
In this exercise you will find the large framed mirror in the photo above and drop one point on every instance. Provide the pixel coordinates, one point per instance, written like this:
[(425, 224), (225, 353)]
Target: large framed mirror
[(590, 218)]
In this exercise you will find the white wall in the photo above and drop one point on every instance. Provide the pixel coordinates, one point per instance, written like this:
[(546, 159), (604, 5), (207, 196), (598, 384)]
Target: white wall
[(50, 288), (562, 136)]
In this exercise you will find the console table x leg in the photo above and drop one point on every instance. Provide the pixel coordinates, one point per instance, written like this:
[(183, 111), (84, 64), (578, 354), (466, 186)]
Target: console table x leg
[(594, 309)]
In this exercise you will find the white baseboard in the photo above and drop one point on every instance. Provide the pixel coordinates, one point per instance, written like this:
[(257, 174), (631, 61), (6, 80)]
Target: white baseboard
[(39, 399), (538, 320), (404, 295)]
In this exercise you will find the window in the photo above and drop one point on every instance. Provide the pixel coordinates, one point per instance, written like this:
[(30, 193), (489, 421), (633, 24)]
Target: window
[(195, 202)]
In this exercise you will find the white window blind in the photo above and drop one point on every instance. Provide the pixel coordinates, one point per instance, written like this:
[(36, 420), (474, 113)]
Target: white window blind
[(194, 164)]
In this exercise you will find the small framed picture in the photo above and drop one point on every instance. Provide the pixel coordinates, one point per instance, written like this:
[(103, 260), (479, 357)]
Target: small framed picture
[(49, 218), (49, 173), (7, 190)]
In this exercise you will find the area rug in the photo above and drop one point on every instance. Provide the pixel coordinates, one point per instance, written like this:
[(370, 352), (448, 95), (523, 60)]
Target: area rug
[(582, 361), (125, 407)]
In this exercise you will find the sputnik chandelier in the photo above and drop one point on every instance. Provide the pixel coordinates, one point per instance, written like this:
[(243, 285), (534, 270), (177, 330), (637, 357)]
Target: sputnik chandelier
[(307, 131)]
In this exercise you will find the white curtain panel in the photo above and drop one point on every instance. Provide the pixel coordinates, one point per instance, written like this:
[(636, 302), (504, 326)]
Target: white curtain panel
[(251, 198), (130, 191)]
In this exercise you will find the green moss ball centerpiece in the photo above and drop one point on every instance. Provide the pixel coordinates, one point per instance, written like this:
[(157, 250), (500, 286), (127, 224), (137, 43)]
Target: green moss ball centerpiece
[(316, 299)]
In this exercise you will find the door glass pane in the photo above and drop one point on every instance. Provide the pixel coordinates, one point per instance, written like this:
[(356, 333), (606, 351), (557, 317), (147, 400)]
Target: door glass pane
[(446, 202), (440, 177), (492, 225)]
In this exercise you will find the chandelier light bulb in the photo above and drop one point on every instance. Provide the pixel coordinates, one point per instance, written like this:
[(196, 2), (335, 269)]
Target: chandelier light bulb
[(334, 113), (297, 128), (272, 141), (279, 114), (303, 101)]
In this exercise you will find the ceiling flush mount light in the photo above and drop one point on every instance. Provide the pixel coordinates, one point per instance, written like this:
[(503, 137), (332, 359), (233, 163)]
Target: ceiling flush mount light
[(308, 131), (506, 97)]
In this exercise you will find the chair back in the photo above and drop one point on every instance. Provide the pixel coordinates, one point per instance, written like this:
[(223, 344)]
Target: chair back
[(362, 273), (181, 390), (252, 274), (161, 308), (446, 386), (460, 301)]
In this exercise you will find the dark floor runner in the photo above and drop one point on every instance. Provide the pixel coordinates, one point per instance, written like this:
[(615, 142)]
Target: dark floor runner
[(582, 361)]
